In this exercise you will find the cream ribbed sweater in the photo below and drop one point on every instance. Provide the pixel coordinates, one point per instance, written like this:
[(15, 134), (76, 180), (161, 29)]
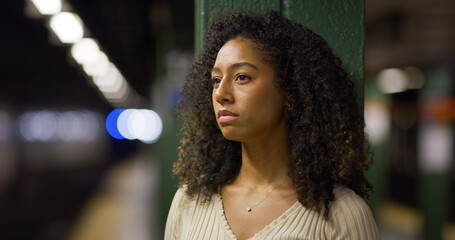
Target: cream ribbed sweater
[(349, 218)]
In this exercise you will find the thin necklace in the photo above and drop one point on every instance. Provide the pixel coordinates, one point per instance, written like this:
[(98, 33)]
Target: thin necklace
[(250, 208)]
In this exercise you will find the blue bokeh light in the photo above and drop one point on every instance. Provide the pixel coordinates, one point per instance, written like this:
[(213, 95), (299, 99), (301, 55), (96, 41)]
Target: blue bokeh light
[(111, 123)]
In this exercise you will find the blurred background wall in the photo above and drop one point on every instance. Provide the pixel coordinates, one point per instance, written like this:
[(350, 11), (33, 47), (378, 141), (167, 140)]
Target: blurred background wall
[(409, 111), (65, 175)]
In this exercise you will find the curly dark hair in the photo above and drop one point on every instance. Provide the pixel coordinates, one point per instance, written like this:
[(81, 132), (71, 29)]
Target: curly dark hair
[(325, 129)]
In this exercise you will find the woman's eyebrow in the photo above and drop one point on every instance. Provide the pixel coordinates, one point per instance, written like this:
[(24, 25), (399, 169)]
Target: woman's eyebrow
[(244, 64), (215, 69), (237, 65)]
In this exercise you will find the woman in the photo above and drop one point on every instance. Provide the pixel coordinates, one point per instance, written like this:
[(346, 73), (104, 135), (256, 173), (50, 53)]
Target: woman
[(273, 143)]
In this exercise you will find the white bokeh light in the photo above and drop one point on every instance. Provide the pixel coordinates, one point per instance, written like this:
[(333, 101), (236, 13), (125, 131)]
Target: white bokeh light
[(137, 123), (92, 127), (67, 26), (97, 65), (392, 80), (85, 51), (122, 124), (51, 126), (153, 128), (121, 95), (141, 124), (377, 120), (48, 7), (38, 126)]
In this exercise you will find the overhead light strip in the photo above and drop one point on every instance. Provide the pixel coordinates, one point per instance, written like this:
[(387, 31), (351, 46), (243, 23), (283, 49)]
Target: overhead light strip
[(69, 28)]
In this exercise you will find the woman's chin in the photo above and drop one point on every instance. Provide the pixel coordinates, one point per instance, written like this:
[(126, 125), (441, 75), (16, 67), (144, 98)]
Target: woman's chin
[(231, 136)]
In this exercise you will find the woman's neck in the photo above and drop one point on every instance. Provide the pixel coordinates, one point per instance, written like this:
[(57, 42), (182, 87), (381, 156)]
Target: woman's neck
[(265, 163)]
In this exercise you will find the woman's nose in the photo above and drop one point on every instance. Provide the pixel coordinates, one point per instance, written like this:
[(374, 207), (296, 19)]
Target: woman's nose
[(224, 92)]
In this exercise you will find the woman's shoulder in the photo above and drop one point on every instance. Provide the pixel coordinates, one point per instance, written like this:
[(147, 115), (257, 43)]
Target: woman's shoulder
[(180, 202), (348, 202), (186, 211), (351, 216), (346, 196), (184, 201), (181, 199), (180, 194), (177, 215)]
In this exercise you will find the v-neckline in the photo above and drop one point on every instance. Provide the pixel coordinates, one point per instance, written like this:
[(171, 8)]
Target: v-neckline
[(261, 232)]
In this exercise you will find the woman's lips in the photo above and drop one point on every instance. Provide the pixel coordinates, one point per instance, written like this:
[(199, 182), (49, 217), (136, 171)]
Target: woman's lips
[(226, 116)]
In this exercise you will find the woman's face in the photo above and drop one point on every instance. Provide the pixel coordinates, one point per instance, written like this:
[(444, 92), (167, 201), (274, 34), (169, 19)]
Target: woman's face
[(248, 106)]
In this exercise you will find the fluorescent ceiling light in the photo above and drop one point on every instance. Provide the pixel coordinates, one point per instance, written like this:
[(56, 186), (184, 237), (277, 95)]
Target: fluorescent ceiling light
[(67, 26), (48, 7), (85, 51), (98, 65)]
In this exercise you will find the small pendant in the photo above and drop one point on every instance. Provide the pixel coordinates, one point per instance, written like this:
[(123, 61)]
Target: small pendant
[(248, 209)]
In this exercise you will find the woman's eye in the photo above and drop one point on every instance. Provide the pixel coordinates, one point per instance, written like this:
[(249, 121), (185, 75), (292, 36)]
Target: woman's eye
[(216, 80), (242, 77)]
